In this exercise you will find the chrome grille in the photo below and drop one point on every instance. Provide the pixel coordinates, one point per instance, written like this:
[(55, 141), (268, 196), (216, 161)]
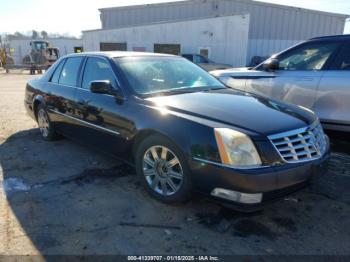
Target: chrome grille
[(302, 144)]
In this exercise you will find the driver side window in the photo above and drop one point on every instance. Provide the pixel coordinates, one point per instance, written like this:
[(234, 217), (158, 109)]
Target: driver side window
[(307, 57), (97, 69)]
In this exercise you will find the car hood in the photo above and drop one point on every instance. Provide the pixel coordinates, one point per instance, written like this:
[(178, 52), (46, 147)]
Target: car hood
[(228, 107), (214, 66)]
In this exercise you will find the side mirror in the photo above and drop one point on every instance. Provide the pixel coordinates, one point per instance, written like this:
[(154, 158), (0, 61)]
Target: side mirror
[(105, 87), (101, 87), (271, 64)]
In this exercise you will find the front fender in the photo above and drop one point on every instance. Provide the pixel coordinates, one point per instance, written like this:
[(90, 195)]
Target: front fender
[(193, 138)]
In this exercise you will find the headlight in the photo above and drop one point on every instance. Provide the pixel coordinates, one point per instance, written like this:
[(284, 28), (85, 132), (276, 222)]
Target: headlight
[(236, 149)]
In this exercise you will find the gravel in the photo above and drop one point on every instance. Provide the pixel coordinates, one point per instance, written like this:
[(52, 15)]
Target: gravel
[(68, 199)]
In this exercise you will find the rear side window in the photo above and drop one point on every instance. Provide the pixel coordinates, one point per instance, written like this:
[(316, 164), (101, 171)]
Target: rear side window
[(201, 59), (307, 57), (189, 57), (69, 74), (97, 69), (56, 74), (342, 60)]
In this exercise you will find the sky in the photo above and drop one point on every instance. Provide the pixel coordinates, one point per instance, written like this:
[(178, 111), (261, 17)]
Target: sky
[(72, 16)]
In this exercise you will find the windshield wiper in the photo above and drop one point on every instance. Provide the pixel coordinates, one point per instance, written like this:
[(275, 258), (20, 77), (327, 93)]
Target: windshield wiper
[(214, 88), (176, 91)]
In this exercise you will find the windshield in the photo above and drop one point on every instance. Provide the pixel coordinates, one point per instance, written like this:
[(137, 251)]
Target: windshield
[(39, 45), (156, 74)]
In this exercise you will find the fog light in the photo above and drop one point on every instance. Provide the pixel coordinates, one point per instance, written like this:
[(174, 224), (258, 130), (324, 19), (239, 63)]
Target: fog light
[(237, 196)]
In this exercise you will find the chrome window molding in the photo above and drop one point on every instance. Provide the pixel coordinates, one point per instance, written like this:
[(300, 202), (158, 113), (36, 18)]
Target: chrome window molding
[(81, 75), (110, 69)]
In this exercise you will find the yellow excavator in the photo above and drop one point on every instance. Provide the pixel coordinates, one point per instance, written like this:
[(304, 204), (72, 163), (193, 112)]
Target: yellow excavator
[(40, 58)]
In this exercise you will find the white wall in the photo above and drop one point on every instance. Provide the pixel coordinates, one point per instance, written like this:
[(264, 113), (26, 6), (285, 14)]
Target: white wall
[(22, 47), (272, 27), (268, 47), (226, 37)]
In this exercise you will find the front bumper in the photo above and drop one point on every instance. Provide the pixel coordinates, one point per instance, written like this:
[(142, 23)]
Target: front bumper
[(274, 182)]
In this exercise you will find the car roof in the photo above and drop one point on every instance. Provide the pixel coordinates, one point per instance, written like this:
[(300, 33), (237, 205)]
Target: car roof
[(332, 38), (113, 54)]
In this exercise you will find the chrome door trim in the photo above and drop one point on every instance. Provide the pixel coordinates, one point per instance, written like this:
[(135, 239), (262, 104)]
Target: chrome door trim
[(85, 123)]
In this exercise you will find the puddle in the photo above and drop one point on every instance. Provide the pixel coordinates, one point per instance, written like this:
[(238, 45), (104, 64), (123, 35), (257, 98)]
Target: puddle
[(46, 240), (340, 153), (247, 228), (90, 175), (340, 142), (286, 223), (222, 220), (13, 185), (242, 224), (340, 163)]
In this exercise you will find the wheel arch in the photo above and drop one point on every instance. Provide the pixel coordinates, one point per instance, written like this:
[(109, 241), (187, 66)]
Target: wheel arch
[(38, 100), (142, 134), (184, 190)]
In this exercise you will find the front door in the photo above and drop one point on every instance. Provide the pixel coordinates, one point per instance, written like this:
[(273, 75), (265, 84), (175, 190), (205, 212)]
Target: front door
[(299, 74), (333, 95), (100, 116)]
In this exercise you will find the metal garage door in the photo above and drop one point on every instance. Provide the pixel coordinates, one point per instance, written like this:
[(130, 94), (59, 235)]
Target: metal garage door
[(113, 46), (173, 49)]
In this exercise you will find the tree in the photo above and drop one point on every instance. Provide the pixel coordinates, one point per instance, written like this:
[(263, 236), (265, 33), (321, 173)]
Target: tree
[(44, 34), (35, 34), (16, 35)]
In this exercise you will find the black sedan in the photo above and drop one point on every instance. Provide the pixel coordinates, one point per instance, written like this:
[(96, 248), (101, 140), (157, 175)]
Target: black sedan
[(182, 129)]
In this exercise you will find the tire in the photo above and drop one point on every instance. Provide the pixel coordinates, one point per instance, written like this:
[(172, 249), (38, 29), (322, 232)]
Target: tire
[(163, 169), (46, 127)]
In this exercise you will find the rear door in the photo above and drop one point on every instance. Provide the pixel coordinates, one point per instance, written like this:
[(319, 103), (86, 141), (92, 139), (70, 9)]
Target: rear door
[(60, 103), (333, 96), (299, 74)]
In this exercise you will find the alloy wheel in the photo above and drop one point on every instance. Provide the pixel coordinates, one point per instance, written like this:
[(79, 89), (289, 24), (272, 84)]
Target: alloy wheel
[(163, 170)]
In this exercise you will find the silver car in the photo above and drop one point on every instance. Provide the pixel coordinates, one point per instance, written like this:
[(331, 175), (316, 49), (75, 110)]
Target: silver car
[(205, 62), (314, 74)]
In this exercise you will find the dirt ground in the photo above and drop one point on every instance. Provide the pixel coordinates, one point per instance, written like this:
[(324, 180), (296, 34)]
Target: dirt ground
[(64, 198)]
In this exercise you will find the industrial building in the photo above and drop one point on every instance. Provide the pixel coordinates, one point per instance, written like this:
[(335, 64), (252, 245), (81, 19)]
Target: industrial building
[(200, 26), (21, 47), (191, 36)]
